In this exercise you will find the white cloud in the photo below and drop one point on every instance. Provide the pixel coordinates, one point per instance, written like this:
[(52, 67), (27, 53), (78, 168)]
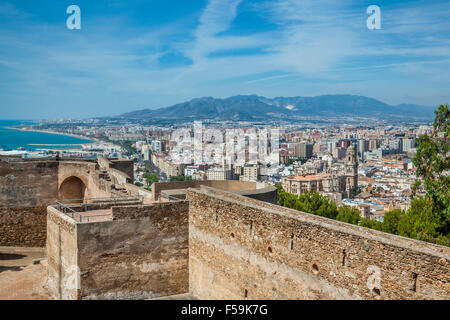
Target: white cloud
[(216, 18)]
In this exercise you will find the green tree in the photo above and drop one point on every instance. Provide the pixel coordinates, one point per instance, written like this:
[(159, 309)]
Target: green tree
[(391, 221), (150, 179), (348, 214), (180, 178), (287, 200), (432, 160), (423, 222), (433, 165), (372, 224), (310, 202)]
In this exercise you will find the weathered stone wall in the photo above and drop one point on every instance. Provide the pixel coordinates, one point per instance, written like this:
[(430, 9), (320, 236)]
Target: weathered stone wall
[(119, 177), (23, 227), (89, 173), (168, 209), (122, 165), (103, 163), (143, 253), (26, 188), (242, 248), (138, 192), (62, 256), (125, 166), (28, 183)]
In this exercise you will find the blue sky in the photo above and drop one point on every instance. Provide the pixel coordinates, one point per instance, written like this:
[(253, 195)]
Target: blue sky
[(139, 54)]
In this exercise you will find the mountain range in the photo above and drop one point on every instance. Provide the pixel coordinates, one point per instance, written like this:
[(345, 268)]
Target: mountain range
[(258, 108)]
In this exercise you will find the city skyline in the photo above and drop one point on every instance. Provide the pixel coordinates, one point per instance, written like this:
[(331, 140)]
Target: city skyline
[(138, 55)]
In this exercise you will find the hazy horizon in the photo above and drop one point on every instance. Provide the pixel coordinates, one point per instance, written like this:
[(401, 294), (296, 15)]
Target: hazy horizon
[(137, 109)]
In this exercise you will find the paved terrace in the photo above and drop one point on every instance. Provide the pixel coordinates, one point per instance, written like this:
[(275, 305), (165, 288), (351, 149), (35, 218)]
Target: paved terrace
[(94, 210), (23, 273)]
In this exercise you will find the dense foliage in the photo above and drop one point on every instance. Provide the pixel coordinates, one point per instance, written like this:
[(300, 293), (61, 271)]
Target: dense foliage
[(419, 222), (150, 179), (313, 202)]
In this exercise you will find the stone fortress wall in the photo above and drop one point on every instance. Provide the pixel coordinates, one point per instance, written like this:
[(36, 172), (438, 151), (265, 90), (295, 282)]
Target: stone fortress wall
[(222, 245), (28, 186), (141, 252), (135, 251), (26, 189), (219, 243), (240, 248), (121, 170)]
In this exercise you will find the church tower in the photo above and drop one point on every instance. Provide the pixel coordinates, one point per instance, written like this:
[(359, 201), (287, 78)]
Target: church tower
[(351, 170)]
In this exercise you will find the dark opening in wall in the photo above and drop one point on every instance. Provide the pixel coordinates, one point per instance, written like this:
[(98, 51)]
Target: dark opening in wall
[(245, 293), (251, 227), (315, 268), (270, 249), (232, 235), (376, 291), (217, 216), (414, 286), (344, 253)]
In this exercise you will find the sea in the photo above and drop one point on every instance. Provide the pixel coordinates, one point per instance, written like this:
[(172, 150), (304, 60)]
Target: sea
[(11, 139)]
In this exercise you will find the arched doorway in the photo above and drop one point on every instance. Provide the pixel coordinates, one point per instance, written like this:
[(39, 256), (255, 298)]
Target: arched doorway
[(72, 189)]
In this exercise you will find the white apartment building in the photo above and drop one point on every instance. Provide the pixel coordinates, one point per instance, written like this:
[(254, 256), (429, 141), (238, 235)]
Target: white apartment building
[(219, 174), (156, 146)]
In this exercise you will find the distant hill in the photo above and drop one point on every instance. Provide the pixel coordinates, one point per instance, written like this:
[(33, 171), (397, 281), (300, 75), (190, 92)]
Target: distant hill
[(253, 107)]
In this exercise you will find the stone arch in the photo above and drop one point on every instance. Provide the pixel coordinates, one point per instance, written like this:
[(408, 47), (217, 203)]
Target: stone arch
[(72, 188)]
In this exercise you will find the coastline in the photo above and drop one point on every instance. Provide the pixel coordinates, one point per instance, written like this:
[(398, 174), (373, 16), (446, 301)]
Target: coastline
[(92, 140)]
